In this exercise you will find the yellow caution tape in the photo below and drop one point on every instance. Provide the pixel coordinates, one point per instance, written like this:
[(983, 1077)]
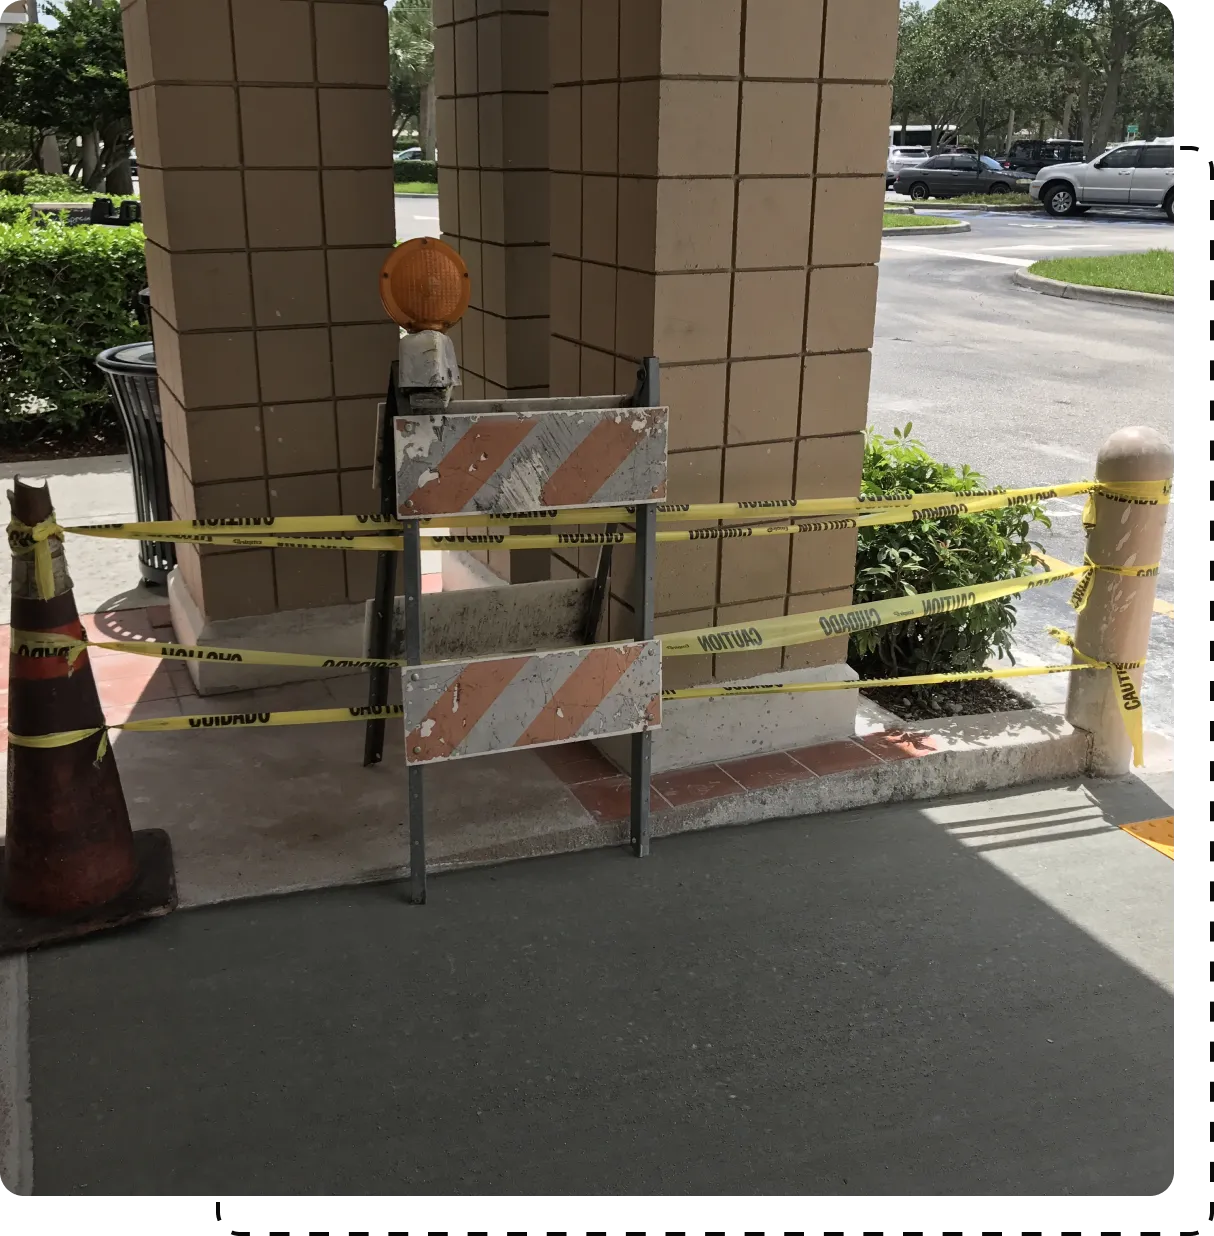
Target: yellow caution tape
[(24, 540), (211, 721), (261, 531), (1083, 590), (843, 620), (69, 738), (913, 680), (1124, 690), (38, 644)]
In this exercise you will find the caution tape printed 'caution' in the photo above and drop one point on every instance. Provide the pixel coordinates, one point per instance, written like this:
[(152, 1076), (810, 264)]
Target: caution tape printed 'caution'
[(269, 532)]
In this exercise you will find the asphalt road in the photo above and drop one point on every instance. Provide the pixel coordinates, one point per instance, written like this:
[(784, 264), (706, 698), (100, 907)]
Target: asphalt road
[(1022, 387), (416, 216), (1025, 387)]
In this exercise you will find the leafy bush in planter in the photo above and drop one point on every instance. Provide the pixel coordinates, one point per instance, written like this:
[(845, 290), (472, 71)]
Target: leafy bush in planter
[(13, 208), (45, 188), (424, 171), (930, 555), (66, 293)]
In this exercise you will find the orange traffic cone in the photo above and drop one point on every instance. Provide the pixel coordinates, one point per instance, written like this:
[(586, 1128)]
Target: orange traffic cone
[(70, 864)]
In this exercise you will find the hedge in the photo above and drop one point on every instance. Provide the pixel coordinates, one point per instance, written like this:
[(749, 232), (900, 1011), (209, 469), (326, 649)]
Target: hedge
[(424, 171), (66, 293)]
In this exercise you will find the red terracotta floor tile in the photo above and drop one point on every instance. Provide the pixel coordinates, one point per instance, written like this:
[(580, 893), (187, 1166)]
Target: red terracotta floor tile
[(758, 772), (834, 757), (125, 668), (432, 583), (159, 616), (899, 744), (693, 785), (576, 762), (611, 799)]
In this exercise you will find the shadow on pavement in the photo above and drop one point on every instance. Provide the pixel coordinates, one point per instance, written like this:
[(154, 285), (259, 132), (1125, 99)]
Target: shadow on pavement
[(854, 1004)]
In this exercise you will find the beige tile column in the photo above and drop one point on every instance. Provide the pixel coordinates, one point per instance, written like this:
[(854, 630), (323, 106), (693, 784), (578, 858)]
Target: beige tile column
[(717, 185), (264, 139), (491, 72)]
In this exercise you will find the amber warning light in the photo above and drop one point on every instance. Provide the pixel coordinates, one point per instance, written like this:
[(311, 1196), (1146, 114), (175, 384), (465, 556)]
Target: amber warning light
[(424, 285)]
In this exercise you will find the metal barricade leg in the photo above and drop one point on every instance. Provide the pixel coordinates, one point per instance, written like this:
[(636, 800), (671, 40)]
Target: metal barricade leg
[(385, 589), (642, 743), (413, 655), (647, 395)]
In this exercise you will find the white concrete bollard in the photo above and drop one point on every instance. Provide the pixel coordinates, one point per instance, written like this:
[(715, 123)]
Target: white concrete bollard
[(1115, 625)]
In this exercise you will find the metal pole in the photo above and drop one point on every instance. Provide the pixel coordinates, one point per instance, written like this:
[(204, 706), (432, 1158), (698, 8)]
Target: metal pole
[(413, 655), (385, 579), (643, 598)]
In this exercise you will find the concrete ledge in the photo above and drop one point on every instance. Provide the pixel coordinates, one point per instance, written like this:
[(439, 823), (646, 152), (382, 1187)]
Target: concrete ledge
[(929, 229), (695, 732), (1006, 207), (335, 630), (973, 754), (1104, 296)]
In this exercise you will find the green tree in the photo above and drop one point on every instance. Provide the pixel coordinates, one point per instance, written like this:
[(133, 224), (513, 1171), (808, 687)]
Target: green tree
[(70, 80), (1099, 43), (411, 70)]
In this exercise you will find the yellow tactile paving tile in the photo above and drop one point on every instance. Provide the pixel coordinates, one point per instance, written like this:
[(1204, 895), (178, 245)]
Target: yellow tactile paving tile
[(1155, 833)]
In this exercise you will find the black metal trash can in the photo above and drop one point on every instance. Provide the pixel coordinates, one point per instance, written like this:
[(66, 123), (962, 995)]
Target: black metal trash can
[(130, 371)]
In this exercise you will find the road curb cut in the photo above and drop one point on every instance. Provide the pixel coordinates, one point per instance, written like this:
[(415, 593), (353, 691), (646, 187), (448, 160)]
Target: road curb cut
[(931, 229), (1106, 296)]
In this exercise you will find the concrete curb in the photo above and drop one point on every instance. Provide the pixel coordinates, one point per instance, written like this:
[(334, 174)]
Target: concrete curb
[(973, 754), (1105, 296), (972, 206), (930, 229), (424, 197)]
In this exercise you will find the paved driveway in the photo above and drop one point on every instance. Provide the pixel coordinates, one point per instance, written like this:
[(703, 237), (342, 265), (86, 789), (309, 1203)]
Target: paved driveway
[(951, 998), (1026, 387)]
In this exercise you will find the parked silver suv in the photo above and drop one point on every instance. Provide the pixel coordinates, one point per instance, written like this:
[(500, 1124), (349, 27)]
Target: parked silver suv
[(1136, 174)]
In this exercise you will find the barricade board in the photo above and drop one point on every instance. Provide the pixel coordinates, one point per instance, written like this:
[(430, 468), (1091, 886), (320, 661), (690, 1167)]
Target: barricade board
[(462, 462), (458, 709)]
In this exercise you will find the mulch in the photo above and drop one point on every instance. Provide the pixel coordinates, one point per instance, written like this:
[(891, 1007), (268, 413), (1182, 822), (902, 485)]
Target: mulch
[(949, 699)]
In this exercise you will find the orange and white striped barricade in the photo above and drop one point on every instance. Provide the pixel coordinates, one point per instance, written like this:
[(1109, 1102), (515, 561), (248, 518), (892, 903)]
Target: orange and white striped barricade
[(522, 457)]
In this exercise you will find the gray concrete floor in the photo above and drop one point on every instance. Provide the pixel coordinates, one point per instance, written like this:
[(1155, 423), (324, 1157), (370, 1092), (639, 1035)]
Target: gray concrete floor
[(964, 997)]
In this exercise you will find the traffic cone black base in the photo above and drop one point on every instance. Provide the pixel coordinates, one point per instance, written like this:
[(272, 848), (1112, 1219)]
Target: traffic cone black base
[(153, 895)]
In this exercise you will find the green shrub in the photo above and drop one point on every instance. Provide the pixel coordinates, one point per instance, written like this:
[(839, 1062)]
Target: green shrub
[(56, 189), (422, 170), (66, 293), (13, 181), (13, 208), (930, 555)]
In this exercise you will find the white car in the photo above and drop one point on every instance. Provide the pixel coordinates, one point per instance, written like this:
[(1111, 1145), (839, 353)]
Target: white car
[(1134, 174), (903, 156)]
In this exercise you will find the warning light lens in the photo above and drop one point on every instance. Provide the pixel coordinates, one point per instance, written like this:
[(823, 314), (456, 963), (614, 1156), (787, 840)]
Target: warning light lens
[(424, 285)]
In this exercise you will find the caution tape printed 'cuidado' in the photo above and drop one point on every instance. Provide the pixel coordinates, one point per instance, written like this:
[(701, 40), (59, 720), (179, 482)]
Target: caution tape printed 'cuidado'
[(274, 528), (208, 721)]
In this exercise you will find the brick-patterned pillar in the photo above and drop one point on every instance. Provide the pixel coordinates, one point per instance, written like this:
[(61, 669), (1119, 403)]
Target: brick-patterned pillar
[(491, 75), (264, 136), (717, 185)]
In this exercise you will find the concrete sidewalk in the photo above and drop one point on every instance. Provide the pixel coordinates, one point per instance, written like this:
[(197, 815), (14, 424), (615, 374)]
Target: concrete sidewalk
[(967, 996)]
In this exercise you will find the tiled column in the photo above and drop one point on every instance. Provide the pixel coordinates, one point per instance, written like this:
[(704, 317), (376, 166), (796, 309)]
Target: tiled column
[(264, 138), (491, 74), (717, 185)]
